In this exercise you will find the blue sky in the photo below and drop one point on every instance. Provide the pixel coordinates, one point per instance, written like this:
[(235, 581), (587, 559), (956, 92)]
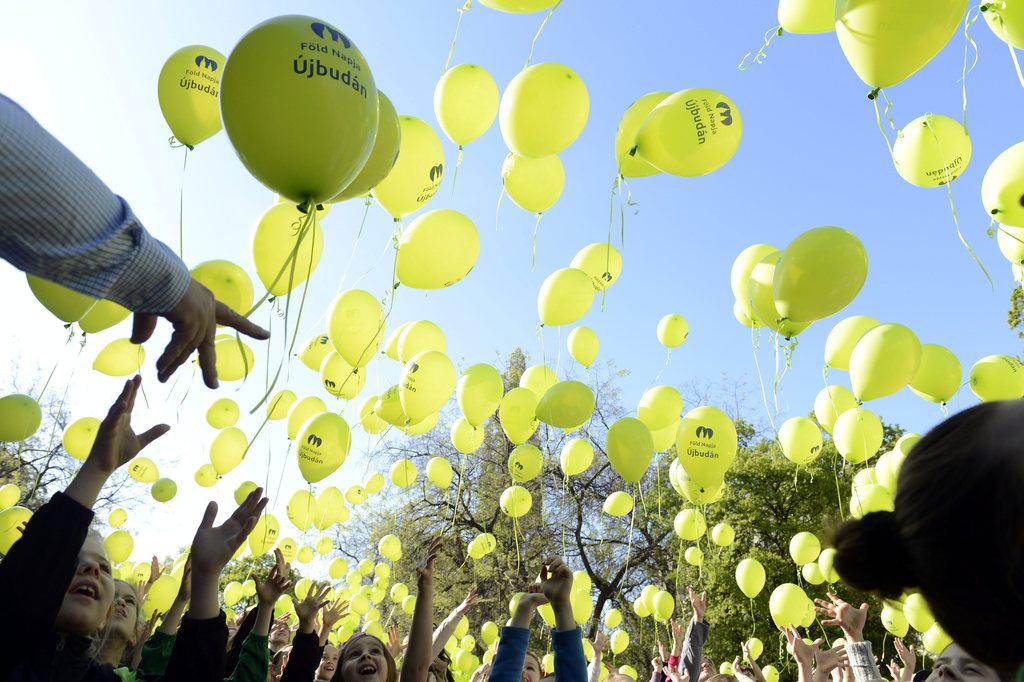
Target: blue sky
[(811, 155)]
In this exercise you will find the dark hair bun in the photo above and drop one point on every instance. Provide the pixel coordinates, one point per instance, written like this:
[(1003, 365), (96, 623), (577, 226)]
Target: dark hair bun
[(871, 556)]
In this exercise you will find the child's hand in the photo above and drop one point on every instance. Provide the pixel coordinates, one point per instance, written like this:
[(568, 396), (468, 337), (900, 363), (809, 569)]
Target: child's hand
[(556, 581)]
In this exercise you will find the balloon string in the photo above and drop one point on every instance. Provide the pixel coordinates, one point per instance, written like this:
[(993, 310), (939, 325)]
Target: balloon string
[(536, 37), (455, 175), (451, 50), (71, 335), (181, 208), (839, 493), (616, 187), (952, 206), (873, 96), (536, 227), (754, 336), (629, 546), (622, 211), (668, 359), (355, 245), (994, 8), (968, 43), (775, 384), (761, 55), (288, 265), (497, 209)]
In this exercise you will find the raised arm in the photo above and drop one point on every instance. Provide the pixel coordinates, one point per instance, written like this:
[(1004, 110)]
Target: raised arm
[(448, 625), (418, 656)]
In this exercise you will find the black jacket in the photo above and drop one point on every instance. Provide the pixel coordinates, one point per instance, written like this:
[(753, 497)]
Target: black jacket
[(34, 577)]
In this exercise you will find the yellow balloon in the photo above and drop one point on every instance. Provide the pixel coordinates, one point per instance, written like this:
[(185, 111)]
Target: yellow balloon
[(525, 462), (519, 6), (602, 262), (939, 375), (232, 593), (355, 326), (517, 414), (374, 483), (264, 535), (935, 639), (1007, 21), (426, 383), (324, 440), (19, 418), (825, 565), (328, 506), (807, 16), (997, 377), (918, 613), (339, 378), (894, 621), (300, 411), (302, 509), (819, 274), (187, 91), (739, 275), (887, 42), (313, 353), (228, 450), (664, 438), (865, 499), (419, 336), (222, 413), (831, 402), (206, 476), (382, 157), (228, 283), (690, 524), (143, 470), (9, 495), (533, 184), (566, 405), (812, 574), (403, 473), (479, 393), (843, 337), (164, 490), (279, 404), (932, 151), (788, 605), (884, 360), (103, 315), (804, 548), (630, 165), (583, 345), (389, 407), (630, 448), (11, 520), (284, 255), (761, 298), (672, 330), (119, 546), (800, 439), (515, 501), (439, 249), (65, 304), (690, 133), (303, 153), (234, 357), (576, 457), (417, 172), (660, 406), (368, 419), (439, 472), (618, 503), (565, 296), (739, 311), (337, 568), (79, 437), (857, 435), (465, 102), (119, 358), (1011, 243), (391, 344), (723, 535), (750, 577), (706, 444), (465, 437), (543, 110), (356, 494), (1003, 187)]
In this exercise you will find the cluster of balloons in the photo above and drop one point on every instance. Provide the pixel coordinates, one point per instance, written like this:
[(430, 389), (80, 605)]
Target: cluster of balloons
[(817, 275), (567, 293)]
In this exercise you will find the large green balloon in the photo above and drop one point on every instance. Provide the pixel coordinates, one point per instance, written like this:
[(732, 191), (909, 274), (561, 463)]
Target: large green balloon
[(543, 110), (383, 155), (300, 107), (886, 41), (630, 166), (939, 375), (819, 274), (630, 448), (884, 360)]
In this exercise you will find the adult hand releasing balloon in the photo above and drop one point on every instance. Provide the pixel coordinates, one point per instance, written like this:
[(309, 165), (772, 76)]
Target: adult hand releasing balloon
[(195, 319)]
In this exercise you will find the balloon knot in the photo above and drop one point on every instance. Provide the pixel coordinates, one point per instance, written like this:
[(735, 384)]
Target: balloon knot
[(632, 152), (873, 95), (304, 207), (67, 326), (779, 32)]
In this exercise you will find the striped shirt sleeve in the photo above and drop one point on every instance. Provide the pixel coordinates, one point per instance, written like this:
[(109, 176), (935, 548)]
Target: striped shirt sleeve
[(60, 222)]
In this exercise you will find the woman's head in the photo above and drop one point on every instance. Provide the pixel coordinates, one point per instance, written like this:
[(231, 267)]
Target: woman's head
[(957, 532), (531, 668), (956, 665), (89, 597), (124, 619), (364, 658)]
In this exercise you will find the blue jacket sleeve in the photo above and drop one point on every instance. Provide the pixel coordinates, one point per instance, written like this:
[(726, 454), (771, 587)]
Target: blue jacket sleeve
[(570, 662), (511, 654)]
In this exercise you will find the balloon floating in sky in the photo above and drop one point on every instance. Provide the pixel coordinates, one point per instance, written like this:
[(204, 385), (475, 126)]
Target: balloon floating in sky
[(932, 151), (543, 110), (417, 172), (439, 249), (807, 16), (691, 133), (187, 90), (382, 157), (20, 417), (1002, 188), (465, 102)]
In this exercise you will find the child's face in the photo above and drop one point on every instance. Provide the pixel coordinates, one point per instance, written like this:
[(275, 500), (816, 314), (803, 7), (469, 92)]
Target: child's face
[(125, 616), (89, 598), (531, 670), (956, 665)]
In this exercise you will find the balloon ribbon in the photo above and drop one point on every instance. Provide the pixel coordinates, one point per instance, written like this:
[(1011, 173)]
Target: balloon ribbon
[(761, 55)]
